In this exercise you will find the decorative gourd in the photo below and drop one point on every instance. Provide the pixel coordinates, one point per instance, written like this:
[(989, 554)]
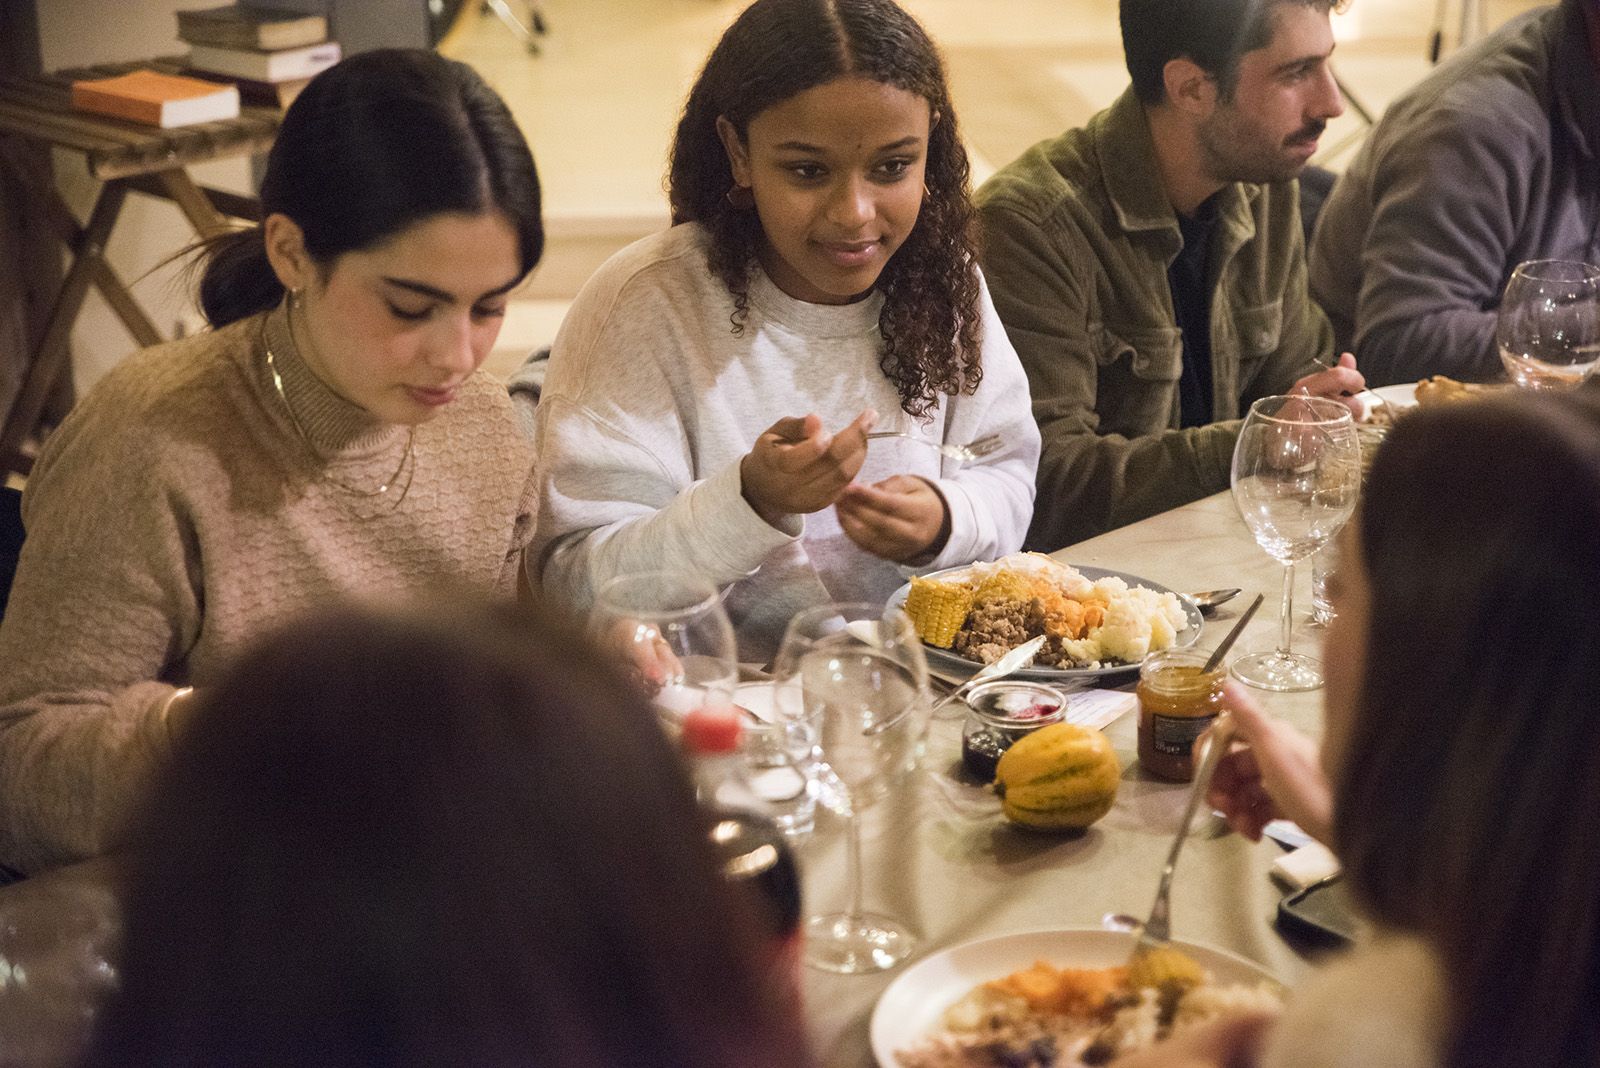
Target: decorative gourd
[(1060, 777)]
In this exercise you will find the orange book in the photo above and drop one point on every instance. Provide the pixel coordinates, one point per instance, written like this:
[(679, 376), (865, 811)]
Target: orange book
[(157, 99)]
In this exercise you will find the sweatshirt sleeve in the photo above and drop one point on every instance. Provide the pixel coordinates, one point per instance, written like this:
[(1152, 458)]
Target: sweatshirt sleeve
[(990, 501), (1088, 482), (1437, 248), (104, 601), (608, 506), (618, 488)]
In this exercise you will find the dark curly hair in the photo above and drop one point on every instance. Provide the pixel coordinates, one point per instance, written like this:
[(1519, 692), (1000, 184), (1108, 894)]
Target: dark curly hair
[(779, 48)]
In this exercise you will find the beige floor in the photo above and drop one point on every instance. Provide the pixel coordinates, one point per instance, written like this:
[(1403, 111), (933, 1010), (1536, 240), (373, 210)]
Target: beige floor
[(600, 102)]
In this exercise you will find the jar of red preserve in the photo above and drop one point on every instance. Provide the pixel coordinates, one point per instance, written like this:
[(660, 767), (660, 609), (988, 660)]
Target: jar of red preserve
[(1000, 713)]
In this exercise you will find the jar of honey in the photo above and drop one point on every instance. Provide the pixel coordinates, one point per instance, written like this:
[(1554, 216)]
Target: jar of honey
[(1178, 699)]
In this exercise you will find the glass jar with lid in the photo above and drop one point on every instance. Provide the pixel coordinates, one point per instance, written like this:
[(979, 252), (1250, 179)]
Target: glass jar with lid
[(1001, 712), (1178, 700)]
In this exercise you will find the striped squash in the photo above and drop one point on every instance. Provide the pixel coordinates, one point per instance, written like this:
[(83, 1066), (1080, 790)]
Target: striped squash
[(1060, 777)]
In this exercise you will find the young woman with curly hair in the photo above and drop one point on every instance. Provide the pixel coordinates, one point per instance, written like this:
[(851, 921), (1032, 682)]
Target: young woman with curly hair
[(821, 270)]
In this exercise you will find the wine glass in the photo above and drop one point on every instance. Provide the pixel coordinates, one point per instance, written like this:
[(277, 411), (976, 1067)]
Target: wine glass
[(1548, 327), (673, 634), (1296, 473), (853, 675)]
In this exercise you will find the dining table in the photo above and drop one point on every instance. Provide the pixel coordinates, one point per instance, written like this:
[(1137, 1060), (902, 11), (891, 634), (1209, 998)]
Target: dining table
[(939, 856)]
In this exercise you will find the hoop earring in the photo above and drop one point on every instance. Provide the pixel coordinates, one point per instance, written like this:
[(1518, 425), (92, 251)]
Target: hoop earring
[(740, 197)]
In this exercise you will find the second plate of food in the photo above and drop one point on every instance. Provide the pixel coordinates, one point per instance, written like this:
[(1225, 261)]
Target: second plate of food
[(949, 662), (912, 1009)]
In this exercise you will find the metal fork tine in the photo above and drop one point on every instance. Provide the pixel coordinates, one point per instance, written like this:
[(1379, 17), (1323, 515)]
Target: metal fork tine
[(975, 450), (984, 446)]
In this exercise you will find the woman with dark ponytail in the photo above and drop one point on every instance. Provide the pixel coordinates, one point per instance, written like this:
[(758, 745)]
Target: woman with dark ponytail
[(331, 436)]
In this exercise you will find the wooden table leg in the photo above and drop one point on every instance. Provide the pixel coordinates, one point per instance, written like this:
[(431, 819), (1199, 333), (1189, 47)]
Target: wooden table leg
[(50, 360), (207, 221), (111, 286)]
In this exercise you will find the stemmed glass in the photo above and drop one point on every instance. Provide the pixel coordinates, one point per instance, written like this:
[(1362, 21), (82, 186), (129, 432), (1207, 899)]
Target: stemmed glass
[(1548, 326), (675, 637), (854, 676), (1296, 473)]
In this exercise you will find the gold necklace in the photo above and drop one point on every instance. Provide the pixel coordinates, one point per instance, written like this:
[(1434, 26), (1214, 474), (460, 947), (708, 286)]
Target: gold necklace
[(408, 462)]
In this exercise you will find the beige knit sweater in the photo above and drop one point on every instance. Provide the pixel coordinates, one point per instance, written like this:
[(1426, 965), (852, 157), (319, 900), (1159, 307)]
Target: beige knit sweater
[(176, 515)]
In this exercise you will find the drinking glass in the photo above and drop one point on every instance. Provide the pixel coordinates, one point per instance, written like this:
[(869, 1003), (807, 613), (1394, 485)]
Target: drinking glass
[(674, 636), (854, 676), (1323, 565), (1296, 473), (1548, 327)]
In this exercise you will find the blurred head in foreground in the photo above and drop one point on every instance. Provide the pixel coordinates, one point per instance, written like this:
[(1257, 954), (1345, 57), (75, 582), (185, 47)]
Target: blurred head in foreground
[(450, 837), (1462, 693)]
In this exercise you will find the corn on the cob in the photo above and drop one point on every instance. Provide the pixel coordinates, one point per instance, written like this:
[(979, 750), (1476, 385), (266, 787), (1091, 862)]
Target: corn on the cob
[(1004, 586), (1164, 965), (937, 609)]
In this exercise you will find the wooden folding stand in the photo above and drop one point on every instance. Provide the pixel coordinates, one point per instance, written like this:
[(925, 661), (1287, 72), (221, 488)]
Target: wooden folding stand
[(124, 156)]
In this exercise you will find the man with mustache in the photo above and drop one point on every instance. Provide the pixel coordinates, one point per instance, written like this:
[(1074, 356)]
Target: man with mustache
[(1150, 266), (1491, 160)]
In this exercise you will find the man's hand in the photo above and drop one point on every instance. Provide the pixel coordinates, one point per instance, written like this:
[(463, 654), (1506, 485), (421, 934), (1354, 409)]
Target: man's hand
[(1273, 771), (796, 468), (903, 518), (1341, 382)]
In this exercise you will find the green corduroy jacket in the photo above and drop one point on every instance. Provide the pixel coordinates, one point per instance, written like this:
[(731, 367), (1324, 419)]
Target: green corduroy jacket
[(1077, 236)]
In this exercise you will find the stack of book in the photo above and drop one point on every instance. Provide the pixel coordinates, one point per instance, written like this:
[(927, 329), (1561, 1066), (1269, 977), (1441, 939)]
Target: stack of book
[(269, 54)]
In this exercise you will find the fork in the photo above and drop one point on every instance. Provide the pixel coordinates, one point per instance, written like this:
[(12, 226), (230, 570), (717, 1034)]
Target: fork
[(1157, 930), (1155, 935), (972, 450)]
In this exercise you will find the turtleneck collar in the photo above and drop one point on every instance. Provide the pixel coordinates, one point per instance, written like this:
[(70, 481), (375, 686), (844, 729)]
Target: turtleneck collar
[(333, 425), (814, 320)]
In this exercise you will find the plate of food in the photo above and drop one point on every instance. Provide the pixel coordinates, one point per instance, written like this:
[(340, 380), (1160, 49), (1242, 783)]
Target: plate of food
[(1062, 990), (1428, 393), (1096, 622)]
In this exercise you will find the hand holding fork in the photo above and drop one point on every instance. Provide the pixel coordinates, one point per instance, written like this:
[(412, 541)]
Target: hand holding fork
[(1341, 382)]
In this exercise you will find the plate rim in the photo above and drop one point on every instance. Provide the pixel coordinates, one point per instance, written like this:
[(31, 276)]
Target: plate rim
[(1400, 394), (954, 662), (883, 1047)]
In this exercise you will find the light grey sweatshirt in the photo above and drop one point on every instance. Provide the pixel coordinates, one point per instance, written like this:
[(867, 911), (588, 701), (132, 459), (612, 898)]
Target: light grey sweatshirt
[(652, 400)]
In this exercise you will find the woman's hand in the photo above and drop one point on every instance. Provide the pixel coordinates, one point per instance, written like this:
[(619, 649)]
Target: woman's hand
[(643, 653), (903, 518), (1273, 771), (796, 468), (1341, 383), (1233, 1042)]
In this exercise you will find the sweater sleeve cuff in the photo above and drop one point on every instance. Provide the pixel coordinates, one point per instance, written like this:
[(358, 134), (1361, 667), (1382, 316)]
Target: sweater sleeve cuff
[(1213, 454), (734, 533), (965, 530)]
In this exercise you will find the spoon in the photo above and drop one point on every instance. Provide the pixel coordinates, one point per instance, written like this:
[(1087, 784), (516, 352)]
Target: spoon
[(1207, 600)]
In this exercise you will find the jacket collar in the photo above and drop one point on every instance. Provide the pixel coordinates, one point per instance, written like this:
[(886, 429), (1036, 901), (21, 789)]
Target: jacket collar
[(1132, 178)]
